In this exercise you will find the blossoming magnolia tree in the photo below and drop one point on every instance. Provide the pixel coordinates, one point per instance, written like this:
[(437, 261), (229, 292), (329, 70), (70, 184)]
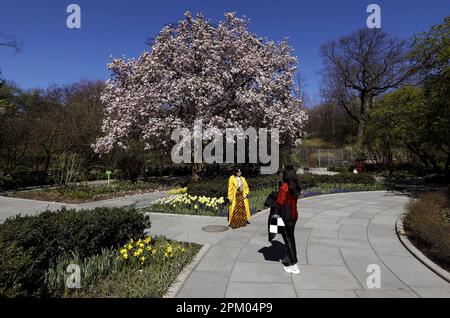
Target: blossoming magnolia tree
[(221, 74)]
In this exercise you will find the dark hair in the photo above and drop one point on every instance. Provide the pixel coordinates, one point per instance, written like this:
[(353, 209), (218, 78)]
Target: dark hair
[(235, 170), (290, 177)]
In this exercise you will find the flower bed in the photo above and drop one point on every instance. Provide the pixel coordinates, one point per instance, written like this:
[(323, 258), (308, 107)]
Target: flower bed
[(140, 268), (32, 244), (210, 206), (189, 204), (90, 193), (37, 252)]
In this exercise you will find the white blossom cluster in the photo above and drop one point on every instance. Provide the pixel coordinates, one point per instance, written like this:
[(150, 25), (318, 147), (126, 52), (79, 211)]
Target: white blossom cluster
[(221, 74)]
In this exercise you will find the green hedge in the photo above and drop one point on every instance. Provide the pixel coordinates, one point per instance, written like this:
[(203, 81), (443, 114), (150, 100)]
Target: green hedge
[(35, 242), (309, 180), (218, 187)]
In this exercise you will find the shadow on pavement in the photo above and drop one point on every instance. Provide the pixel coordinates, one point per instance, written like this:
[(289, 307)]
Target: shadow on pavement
[(275, 252)]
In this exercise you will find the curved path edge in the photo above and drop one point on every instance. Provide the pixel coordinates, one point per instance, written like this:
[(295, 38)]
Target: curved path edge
[(183, 276), (403, 237)]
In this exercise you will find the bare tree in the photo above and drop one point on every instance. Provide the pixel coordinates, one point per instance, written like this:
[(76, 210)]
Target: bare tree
[(10, 42), (360, 67)]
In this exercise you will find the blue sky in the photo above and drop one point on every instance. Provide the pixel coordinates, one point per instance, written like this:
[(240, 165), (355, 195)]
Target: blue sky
[(54, 54)]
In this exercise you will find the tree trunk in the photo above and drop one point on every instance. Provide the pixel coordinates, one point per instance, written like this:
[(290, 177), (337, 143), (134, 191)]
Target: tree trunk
[(447, 167), (360, 134), (364, 106), (197, 170), (47, 159)]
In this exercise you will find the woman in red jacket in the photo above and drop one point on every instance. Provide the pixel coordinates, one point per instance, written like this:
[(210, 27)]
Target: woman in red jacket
[(288, 195)]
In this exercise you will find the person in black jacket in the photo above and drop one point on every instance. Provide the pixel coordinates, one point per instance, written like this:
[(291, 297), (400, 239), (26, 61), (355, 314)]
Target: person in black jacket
[(288, 195)]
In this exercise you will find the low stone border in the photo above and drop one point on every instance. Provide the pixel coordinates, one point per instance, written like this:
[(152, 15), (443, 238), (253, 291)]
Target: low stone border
[(176, 286), (403, 237)]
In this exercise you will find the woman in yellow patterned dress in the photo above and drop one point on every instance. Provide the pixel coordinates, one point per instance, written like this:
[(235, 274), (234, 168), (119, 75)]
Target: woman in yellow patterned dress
[(239, 209)]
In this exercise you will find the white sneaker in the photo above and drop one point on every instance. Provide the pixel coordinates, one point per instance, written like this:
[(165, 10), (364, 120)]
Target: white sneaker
[(293, 269)]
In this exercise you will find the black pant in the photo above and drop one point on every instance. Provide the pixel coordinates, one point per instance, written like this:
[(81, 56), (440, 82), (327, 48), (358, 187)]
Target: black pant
[(289, 242)]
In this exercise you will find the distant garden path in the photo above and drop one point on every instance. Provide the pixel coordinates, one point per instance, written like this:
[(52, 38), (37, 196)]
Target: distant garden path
[(13, 206)]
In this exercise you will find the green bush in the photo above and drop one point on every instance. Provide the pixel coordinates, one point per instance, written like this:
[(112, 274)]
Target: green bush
[(14, 270), (218, 187), (50, 234), (344, 187), (310, 180), (210, 188), (341, 169)]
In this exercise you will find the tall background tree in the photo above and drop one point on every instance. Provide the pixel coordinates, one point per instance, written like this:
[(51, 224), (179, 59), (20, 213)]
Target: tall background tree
[(360, 67), (39, 126), (221, 74), (431, 58), (330, 123), (417, 118)]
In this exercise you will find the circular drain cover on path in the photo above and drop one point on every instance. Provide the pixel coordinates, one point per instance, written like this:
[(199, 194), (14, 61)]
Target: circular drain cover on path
[(215, 228)]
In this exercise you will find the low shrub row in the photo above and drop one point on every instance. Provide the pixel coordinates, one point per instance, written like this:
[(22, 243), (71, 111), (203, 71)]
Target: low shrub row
[(23, 179), (427, 225), (31, 244), (209, 171), (218, 187), (325, 188), (309, 180), (342, 169)]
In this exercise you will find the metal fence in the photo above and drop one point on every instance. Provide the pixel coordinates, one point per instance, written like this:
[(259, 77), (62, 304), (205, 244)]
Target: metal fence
[(324, 158)]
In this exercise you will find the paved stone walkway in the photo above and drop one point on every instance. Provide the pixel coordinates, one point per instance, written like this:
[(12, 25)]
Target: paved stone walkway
[(338, 237), (13, 206)]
